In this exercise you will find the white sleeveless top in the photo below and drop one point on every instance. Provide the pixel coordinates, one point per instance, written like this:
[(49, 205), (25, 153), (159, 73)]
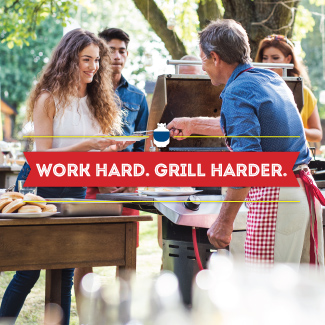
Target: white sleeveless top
[(74, 120)]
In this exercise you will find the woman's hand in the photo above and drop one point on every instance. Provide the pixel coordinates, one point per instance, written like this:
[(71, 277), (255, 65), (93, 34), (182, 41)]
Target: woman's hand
[(119, 146), (100, 143), (107, 189), (117, 189), (125, 190)]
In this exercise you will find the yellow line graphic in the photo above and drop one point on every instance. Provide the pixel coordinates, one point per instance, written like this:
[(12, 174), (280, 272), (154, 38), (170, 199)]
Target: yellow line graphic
[(146, 136), (237, 136), (152, 201), (86, 136)]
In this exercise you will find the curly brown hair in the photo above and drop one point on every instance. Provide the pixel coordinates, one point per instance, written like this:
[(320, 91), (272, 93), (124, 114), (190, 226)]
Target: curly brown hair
[(60, 77), (286, 47)]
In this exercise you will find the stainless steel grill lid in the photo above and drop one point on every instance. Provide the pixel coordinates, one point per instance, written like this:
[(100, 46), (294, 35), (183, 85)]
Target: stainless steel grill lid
[(185, 95), (192, 96)]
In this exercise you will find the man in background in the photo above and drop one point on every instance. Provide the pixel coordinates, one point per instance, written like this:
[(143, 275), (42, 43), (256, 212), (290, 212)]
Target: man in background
[(134, 105), (190, 69), (133, 100)]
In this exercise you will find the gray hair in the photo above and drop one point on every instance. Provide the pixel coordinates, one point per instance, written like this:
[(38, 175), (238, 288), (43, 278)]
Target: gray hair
[(190, 58), (228, 39)]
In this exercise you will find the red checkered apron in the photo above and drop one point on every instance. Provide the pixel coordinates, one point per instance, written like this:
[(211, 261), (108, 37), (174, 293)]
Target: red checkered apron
[(262, 216), (261, 222)]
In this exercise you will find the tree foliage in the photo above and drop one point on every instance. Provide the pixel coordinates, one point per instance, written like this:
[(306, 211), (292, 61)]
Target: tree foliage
[(312, 47), (20, 66), (19, 18), (147, 26), (260, 18)]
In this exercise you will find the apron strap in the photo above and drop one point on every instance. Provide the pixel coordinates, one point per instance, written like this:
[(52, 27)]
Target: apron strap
[(313, 193)]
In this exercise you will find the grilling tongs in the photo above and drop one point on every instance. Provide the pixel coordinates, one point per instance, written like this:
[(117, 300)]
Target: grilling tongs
[(148, 132)]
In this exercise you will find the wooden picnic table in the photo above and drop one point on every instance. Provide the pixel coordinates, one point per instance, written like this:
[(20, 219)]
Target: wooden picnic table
[(56, 243)]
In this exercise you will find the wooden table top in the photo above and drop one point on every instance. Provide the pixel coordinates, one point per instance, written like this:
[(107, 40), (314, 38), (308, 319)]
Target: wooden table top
[(9, 169), (72, 220)]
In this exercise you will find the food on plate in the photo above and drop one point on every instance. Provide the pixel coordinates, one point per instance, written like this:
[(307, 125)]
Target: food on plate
[(14, 202), (33, 197), (12, 195), (4, 202), (29, 209), (50, 208), (13, 206)]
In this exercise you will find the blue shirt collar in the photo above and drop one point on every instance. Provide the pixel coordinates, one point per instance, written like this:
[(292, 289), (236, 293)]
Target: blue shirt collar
[(240, 68), (123, 83)]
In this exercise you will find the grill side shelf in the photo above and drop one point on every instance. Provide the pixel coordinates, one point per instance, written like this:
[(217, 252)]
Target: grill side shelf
[(135, 201)]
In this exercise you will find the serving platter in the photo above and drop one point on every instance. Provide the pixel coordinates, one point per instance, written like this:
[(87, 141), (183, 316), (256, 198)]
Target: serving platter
[(26, 215), (128, 138), (169, 193)]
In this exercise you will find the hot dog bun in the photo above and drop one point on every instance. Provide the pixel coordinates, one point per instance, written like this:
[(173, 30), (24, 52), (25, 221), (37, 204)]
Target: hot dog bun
[(33, 197), (4, 202), (29, 209), (50, 208), (12, 195), (13, 206)]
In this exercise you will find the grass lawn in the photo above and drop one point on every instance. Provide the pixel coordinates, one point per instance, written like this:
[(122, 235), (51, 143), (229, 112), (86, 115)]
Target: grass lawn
[(148, 264)]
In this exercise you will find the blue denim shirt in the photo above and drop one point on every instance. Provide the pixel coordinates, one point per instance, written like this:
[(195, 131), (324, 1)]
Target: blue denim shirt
[(135, 106), (258, 102)]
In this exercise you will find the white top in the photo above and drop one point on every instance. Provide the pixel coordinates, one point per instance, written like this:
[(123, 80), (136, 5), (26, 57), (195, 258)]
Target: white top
[(74, 120)]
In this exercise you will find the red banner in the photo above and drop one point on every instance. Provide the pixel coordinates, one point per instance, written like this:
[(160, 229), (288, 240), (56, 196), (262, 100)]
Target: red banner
[(161, 169)]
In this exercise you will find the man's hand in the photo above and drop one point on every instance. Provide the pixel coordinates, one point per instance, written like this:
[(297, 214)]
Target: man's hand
[(219, 234), (180, 127), (185, 126)]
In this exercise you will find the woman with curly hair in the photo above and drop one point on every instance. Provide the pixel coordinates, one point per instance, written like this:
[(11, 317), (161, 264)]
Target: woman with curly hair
[(73, 97), (279, 49)]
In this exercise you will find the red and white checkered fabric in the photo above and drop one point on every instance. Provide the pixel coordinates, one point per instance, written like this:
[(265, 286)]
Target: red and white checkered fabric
[(261, 224)]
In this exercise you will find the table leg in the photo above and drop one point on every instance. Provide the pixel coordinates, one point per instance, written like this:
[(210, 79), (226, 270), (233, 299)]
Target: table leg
[(53, 286), (130, 251)]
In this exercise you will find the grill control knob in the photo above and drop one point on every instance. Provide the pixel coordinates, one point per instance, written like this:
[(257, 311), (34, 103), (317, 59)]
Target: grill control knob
[(192, 203)]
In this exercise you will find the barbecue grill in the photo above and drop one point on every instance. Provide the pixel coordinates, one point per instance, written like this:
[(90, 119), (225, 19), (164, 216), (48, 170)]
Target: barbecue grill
[(191, 96)]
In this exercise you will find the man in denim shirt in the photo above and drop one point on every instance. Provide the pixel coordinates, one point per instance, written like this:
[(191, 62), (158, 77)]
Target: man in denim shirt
[(133, 100), (256, 103)]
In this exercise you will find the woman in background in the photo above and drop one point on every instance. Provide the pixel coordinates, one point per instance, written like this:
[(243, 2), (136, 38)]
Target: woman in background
[(279, 49), (73, 97)]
